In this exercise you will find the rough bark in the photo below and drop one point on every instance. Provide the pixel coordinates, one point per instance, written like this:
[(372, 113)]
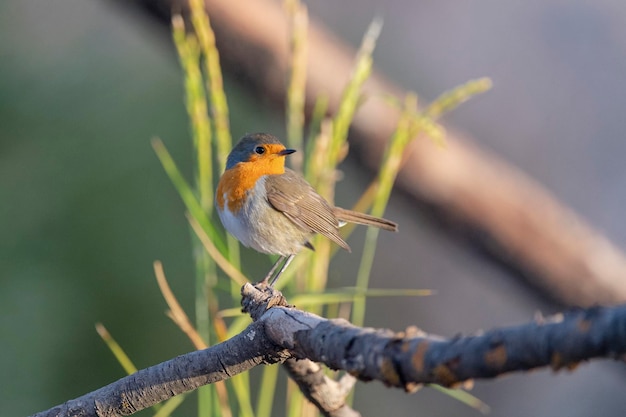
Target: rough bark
[(405, 360)]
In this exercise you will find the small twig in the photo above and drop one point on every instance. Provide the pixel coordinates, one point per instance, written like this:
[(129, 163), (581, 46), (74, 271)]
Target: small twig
[(328, 395), (176, 312)]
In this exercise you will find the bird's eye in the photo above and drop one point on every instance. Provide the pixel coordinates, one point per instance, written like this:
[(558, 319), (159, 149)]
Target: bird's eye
[(259, 150)]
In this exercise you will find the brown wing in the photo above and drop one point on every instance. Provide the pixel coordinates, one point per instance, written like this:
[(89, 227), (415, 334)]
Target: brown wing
[(290, 194)]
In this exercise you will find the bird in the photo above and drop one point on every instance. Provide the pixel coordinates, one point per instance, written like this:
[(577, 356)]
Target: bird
[(273, 209)]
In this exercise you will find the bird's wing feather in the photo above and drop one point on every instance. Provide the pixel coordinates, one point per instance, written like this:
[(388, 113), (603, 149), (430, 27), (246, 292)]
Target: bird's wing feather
[(295, 198)]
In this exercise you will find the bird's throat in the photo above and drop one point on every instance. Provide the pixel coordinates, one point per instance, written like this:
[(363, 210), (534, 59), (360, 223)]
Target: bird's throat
[(236, 182)]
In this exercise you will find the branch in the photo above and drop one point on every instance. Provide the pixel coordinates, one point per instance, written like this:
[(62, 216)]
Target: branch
[(328, 395), (404, 360), (184, 373)]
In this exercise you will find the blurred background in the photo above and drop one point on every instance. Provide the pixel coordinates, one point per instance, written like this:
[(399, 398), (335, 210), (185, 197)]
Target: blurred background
[(85, 207)]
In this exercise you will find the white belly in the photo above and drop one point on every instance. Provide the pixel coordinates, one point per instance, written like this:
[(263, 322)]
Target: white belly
[(235, 226)]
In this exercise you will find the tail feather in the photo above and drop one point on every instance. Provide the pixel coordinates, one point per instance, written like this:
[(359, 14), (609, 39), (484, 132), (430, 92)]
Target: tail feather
[(364, 219)]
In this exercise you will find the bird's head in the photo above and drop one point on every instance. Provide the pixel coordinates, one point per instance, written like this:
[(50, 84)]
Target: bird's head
[(262, 150)]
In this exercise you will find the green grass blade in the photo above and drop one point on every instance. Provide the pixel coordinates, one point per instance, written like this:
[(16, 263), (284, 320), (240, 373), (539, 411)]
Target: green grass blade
[(219, 109), (298, 19), (205, 303), (234, 258), (189, 48), (350, 294), (388, 292), (464, 397), (238, 325), (207, 401), (330, 149), (232, 312), (386, 177), (295, 400), (116, 349), (215, 83), (351, 97), (267, 391), (430, 128), (451, 99), (241, 386), (340, 295), (189, 55), (363, 275), (186, 193), (169, 406), (410, 125), (315, 128)]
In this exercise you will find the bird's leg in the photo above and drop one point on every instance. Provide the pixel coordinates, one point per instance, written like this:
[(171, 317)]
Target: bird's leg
[(269, 274), (285, 265)]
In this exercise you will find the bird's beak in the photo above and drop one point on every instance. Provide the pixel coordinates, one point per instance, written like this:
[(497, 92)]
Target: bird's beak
[(285, 152)]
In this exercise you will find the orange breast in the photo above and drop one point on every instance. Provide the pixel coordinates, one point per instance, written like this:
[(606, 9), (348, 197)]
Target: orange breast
[(237, 181), (232, 189)]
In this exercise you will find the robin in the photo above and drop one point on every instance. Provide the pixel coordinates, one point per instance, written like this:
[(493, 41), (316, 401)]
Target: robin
[(273, 209)]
